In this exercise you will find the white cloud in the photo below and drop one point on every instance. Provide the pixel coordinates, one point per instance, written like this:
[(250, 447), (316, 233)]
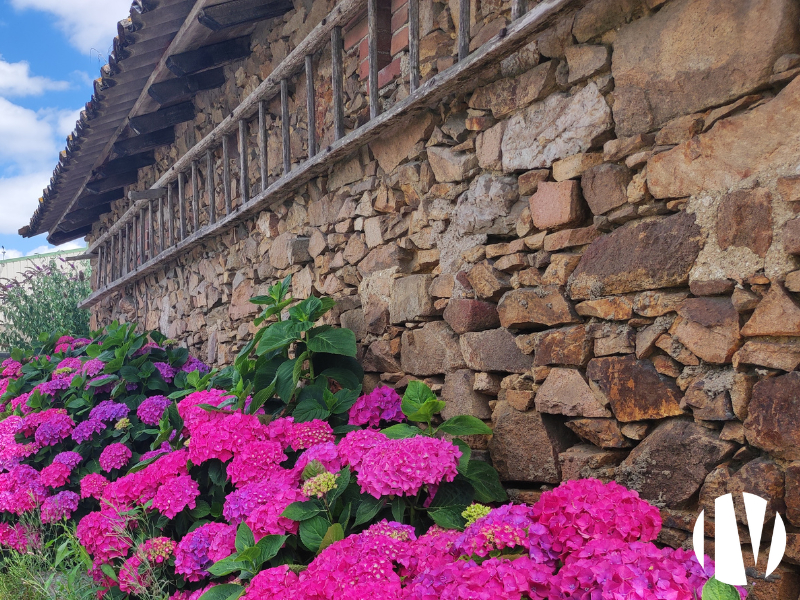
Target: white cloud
[(16, 80), (4, 254), (19, 197), (26, 134), (46, 248), (88, 24)]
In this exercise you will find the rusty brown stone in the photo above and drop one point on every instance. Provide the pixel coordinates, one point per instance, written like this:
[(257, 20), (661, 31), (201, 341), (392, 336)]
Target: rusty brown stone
[(604, 433), (772, 354), (605, 187), (411, 300), (493, 350), (560, 268), (529, 181), (615, 308), (385, 257), (744, 220), (520, 399), (709, 396), (569, 238), (773, 416), (431, 350), (586, 460), (666, 365), (763, 478), (556, 205), (565, 392), (638, 256), (709, 328), (465, 315), (680, 129), (792, 493), (777, 314), (461, 397), (383, 356), (528, 308), (790, 236), (616, 150), (525, 445), (488, 282), (652, 468), (573, 166), (566, 346), (656, 304), (634, 388), (585, 60)]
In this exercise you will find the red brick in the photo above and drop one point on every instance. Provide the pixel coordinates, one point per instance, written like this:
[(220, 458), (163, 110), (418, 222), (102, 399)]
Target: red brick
[(387, 74), (363, 49), (363, 69), (400, 18), (355, 33), (399, 41), (397, 4)]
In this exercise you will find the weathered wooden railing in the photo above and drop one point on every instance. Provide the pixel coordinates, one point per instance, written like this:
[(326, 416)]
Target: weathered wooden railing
[(127, 250)]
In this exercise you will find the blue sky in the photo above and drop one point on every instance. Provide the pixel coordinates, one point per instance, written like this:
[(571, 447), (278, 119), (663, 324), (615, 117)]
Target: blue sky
[(50, 51)]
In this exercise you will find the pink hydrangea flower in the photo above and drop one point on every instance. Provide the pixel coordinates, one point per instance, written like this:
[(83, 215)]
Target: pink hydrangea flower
[(261, 504), (277, 583), (382, 403), (60, 506), (310, 433), (55, 475), (92, 367), (104, 535), (92, 485), (223, 435), (114, 456), (356, 444), (202, 547), (255, 461), (175, 494)]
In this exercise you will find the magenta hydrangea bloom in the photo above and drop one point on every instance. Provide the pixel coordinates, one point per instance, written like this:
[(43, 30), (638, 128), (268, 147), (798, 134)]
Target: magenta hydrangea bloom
[(162, 449), (277, 583), (55, 475), (55, 385), (21, 490), (167, 372), (326, 454), (175, 494), (102, 534), (108, 411), (72, 363), (92, 485), (255, 462), (60, 506), (114, 456), (11, 368), (84, 431), (69, 458), (93, 367), (192, 414), (310, 433), (430, 551), (193, 364), (356, 444), (588, 509), (382, 403), (56, 428), (202, 547), (223, 435), (403, 467), (152, 409), (17, 537), (261, 504)]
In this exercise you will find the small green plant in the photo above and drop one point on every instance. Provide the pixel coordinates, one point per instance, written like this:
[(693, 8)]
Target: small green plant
[(44, 299), (714, 589)]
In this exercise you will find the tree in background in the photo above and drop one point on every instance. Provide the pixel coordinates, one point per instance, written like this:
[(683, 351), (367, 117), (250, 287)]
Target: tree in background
[(42, 300)]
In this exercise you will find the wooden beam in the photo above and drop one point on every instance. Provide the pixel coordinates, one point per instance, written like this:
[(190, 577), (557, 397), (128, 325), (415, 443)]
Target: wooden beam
[(210, 185), (310, 109), (244, 178), (337, 77), (182, 205), (372, 57), (195, 197), (463, 29), (134, 195), (517, 9), (106, 184), (85, 216), (237, 12), (170, 215), (413, 44), (148, 141), (183, 88), (166, 117), (262, 144), (90, 200), (79, 257), (129, 163), (287, 139), (209, 56), (226, 173)]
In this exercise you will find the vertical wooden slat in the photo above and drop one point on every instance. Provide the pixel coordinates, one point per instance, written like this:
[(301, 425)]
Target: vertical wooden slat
[(413, 44), (262, 144), (99, 274), (517, 9), (463, 29), (372, 57), (112, 267), (170, 215), (244, 177), (142, 259), (151, 229), (127, 248), (226, 173), (337, 81), (195, 197), (182, 205), (161, 242), (287, 148), (210, 183), (310, 108)]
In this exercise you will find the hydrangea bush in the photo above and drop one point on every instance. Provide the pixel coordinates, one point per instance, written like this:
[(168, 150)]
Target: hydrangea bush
[(277, 478)]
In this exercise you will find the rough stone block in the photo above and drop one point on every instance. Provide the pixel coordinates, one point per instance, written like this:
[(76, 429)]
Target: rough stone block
[(465, 315), (709, 328), (574, 166), (411, 300), (605, 187), (777, 314), (528, 308), (565, 392), (461, 397), (585, 460), (431, 350), (605, 433), (585, 60), (493, 350), (449, 165), (772, 422), (744, 220), (556, 205)]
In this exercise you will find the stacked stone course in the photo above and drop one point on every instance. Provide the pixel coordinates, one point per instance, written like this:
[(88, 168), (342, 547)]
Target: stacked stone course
[(594, 249)]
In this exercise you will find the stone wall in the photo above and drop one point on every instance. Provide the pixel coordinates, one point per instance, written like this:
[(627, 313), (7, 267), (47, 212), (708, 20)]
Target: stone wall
[(595, 250)]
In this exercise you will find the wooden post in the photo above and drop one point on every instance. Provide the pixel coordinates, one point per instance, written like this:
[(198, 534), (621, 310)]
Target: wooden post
[(413, 44), (170, 215), (310, 109), (226, 173), (195, 197), (99, 274), (112, 256), (517, 9), (262, 144), (151, 219), (182, 205), (372, 57), (244, 178), (287, 148), (337, 77), (161, 244), (210, 183), (463, 29), (127, 248), (142, 251)]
